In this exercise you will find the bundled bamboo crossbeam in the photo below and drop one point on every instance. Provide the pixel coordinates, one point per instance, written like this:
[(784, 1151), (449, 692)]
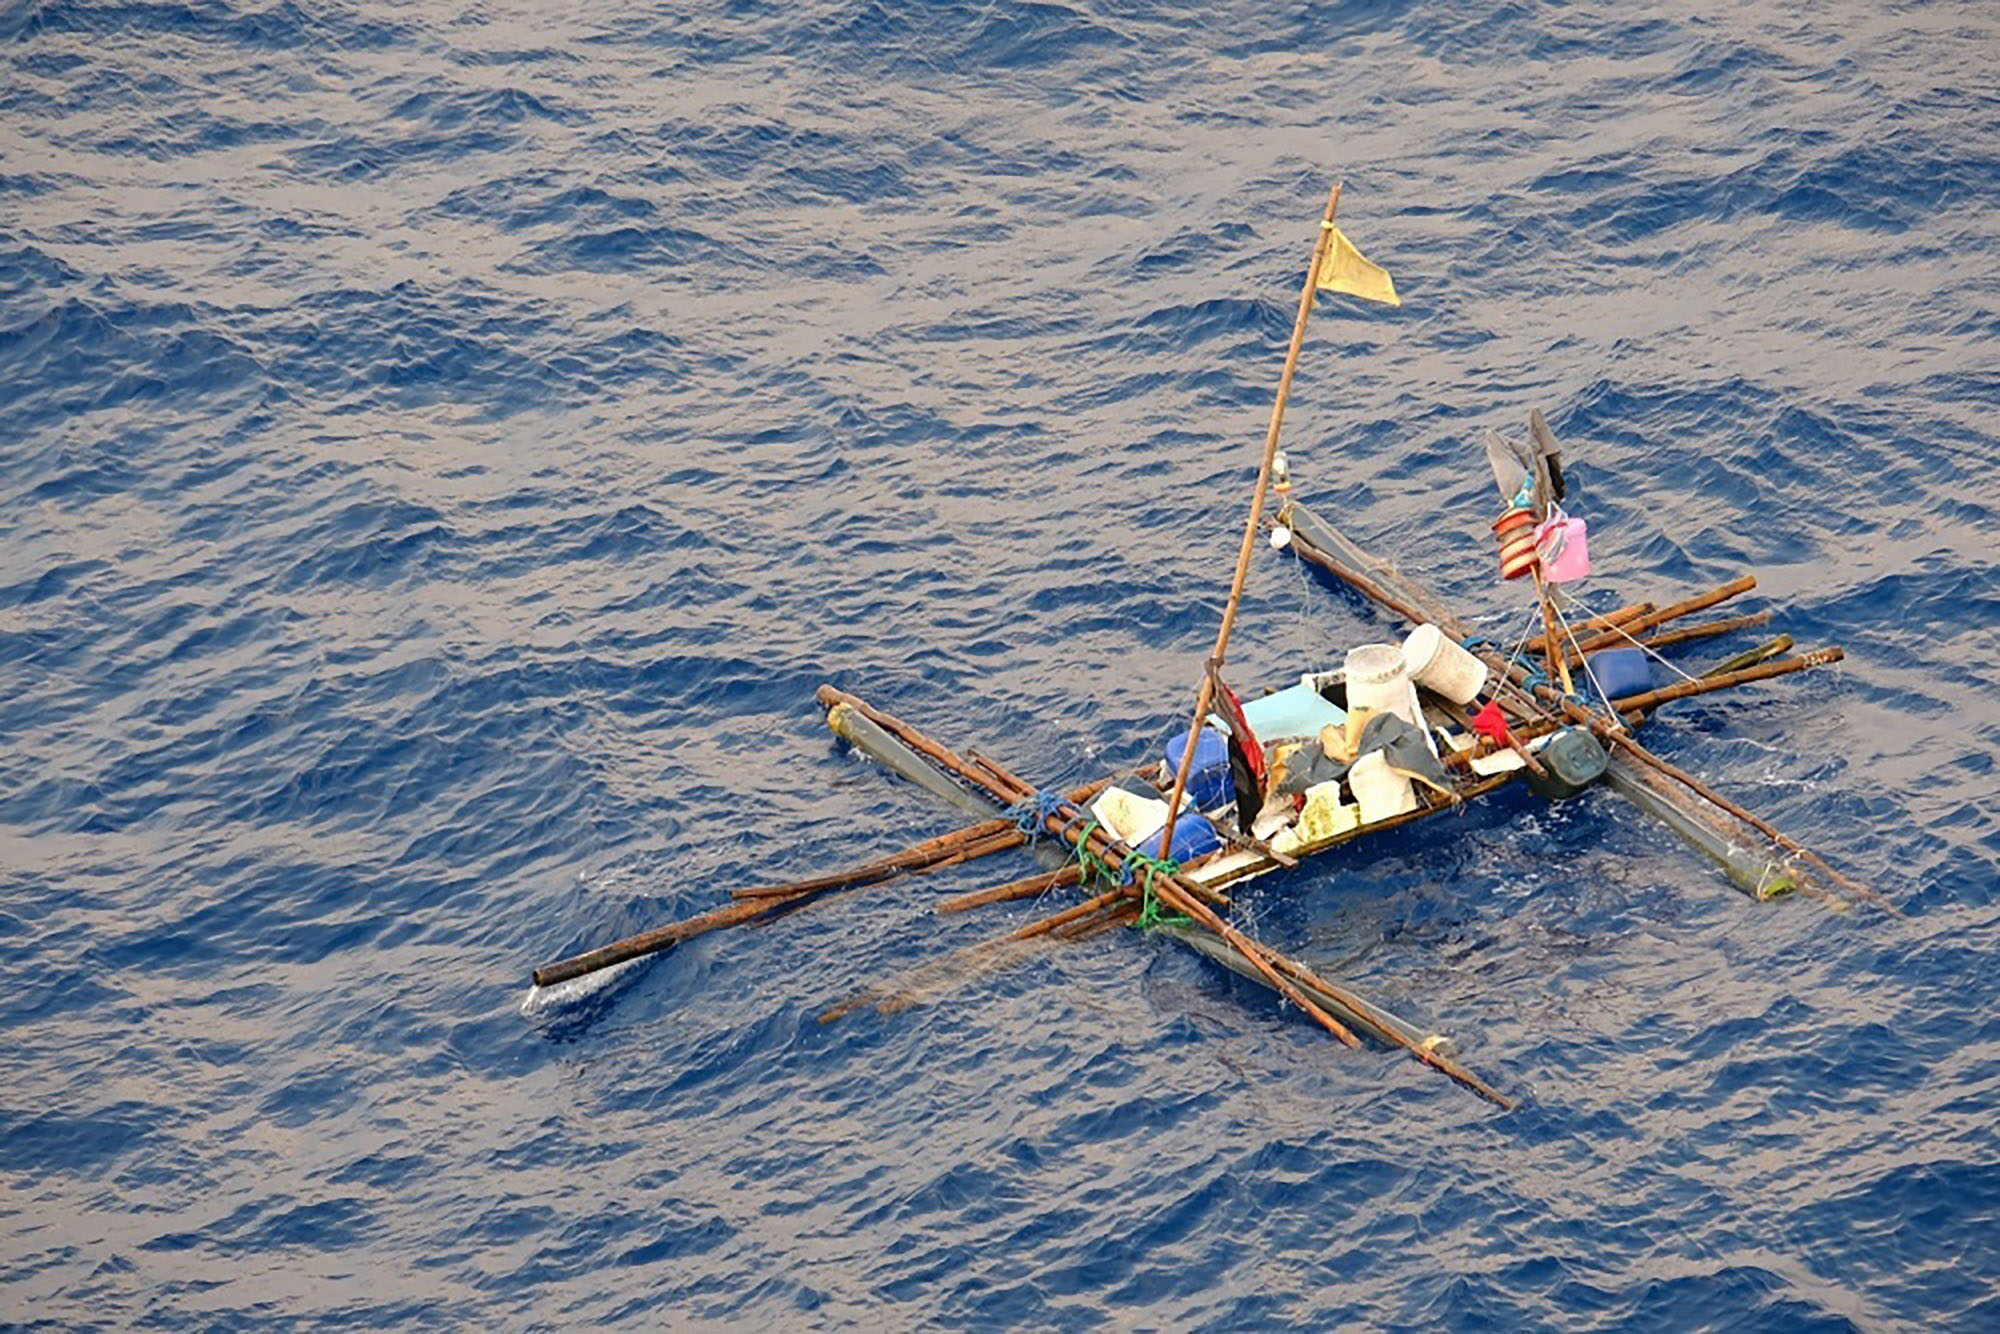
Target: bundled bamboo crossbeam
[(750, 905), (1639, 625), (1176, 892), (1684, 634), (1622, 616), (1381, 583), (1820, 657), (1069, 873)]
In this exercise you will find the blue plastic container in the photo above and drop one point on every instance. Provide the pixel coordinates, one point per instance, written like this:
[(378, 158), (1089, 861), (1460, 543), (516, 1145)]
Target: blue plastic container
[(1193, 837), (1208, 781), (1621, 671)]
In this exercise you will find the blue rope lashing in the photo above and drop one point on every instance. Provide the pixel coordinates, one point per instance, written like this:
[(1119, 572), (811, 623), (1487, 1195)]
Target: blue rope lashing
[(1031, 815), (1474, 643)]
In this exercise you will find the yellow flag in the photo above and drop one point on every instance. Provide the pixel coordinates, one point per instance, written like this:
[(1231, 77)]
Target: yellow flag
[(1343, 270)]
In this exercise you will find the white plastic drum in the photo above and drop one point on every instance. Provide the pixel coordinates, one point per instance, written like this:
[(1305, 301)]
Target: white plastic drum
[(1378, 790), (1377, 679), (1441, 664)]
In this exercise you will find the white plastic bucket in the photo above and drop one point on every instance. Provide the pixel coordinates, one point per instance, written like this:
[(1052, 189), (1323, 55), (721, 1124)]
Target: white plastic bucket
[(1377, 679), (1438, 662), (1378, 790)]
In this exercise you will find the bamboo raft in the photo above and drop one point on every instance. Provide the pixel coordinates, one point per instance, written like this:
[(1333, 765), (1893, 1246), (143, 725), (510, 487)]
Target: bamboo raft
[(1530, 706)]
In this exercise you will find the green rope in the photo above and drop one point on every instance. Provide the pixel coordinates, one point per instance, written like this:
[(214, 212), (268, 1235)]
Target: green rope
[(1147, 870), (1092, 864)]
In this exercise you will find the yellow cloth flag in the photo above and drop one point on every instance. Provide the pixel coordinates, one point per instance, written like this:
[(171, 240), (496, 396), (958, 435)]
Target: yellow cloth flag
[(1343, 270)]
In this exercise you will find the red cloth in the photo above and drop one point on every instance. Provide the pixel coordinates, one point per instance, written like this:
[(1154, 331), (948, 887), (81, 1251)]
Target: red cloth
[(1490, 723), (1231, 709)]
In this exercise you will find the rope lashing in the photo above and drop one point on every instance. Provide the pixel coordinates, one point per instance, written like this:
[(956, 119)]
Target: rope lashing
[(1032, 814), (1151, 914), (1138, 864), (1092, 864)]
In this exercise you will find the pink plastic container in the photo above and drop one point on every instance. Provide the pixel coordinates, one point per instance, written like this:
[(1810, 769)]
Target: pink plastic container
[(1564, 548)]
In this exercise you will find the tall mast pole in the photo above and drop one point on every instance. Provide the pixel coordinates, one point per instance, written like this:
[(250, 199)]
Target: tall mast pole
[(1205, 695)]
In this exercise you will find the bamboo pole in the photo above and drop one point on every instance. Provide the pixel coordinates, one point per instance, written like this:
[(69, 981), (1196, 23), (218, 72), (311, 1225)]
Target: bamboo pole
[(1604, 622), (1709, 629), (1071, 914), (1178, 893), (1716, 799), (913, 862), (652, 942), (1552, 641), (1204, 693), (949, 849), (1750, 657), (1069, 873), (1639, 625), (1763, 672)]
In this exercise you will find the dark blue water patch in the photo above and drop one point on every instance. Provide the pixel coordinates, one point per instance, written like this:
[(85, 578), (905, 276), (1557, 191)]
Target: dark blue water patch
[(84, 1144), (84, 356), (29, 269), (653, 250), (543, 199), (283, 26), (455, 108)]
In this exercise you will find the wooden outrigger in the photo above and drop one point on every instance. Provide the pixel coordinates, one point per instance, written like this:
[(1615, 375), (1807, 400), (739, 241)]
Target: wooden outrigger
[(1143, 876)]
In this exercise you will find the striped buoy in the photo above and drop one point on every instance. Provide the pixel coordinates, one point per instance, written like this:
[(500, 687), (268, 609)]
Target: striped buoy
[(1515, 531)]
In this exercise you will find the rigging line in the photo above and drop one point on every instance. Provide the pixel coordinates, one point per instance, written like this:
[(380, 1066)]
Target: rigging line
[(1619, 630), (1610, 709), (1526, 634)]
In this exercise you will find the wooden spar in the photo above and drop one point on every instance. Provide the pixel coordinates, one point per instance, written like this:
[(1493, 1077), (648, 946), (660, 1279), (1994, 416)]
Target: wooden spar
[(1204, 693), (1070, 873), (1604, 622), (1071, 914), (1281, 974), (1701, 602), (1285, 974), (1750, 657), (1646, 757), (1423, 1051), (1339, 555), (1763, 672), (652, 942), (1552, 641), (913, 862), (1666, 638), (950, 849)]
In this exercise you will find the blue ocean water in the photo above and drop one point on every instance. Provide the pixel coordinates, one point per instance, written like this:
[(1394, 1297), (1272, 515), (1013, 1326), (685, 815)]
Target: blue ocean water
[(446, 446)]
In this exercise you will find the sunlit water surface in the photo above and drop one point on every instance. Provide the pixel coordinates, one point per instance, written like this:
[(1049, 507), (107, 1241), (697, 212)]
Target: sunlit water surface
[(445, 447)]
